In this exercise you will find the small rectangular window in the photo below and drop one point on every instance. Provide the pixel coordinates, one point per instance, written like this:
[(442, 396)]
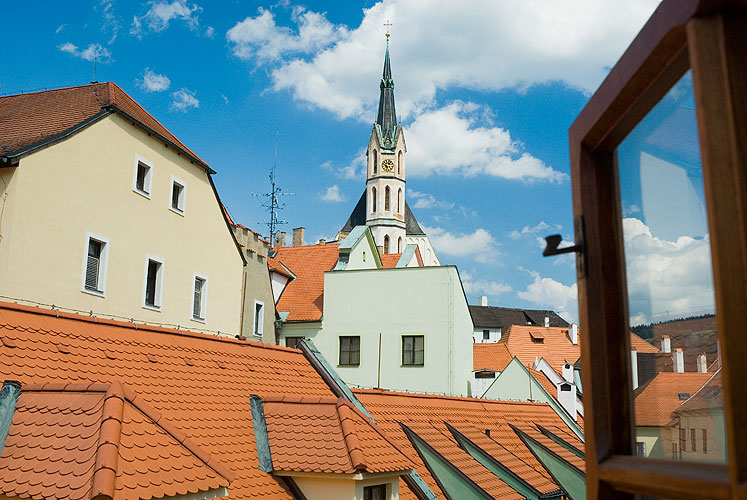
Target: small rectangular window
[(350, 351), (259, 318), (377, 492), (683, 440), (412, 350), (143, 177), (153, 282), (199, 298), (178, 194), (705, 441), (693, 445), (640, 448), (486, 334), (292, 341), (94, 264)]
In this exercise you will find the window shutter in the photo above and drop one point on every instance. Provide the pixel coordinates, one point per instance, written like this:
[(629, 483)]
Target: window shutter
[(92, 272)]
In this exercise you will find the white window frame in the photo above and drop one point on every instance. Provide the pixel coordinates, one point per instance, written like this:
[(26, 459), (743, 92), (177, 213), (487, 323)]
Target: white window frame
[(159, 283), (203, 298), (148, 184), (182, 199), (261, 329), (103, 264)]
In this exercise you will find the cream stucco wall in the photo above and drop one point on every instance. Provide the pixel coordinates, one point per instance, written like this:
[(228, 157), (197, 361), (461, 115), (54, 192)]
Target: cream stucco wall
[(85, 183), (327, 488), (396, 302)]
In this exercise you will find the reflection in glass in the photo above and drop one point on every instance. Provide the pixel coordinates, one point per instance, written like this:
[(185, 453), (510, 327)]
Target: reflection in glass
[(676, 371)]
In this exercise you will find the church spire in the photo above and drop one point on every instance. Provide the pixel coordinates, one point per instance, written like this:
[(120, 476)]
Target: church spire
[(387, 118)]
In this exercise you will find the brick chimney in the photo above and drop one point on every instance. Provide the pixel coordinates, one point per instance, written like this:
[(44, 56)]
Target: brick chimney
[(484, 301), (280, 239), (298, 236), (678, 361), (547, 321), (666, 345)]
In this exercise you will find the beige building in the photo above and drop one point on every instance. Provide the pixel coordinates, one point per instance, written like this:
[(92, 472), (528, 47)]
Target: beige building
[(104, 210)]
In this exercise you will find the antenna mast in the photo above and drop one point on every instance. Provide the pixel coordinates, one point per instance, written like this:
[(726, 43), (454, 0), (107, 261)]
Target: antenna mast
[(272, 203)]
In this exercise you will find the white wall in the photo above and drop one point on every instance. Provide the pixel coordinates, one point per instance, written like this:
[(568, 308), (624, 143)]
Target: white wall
[(495, 335)]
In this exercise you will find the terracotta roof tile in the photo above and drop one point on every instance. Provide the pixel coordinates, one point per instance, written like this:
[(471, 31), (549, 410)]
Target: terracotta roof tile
[(655, 401), (389, 260), (210, 406), (491, 356), (330, 436), (26, 119), (426, 415), (303, 298), (709, 396)]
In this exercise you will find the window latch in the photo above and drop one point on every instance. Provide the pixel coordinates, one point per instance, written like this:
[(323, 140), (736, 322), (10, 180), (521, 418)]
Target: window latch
[(554, 240)]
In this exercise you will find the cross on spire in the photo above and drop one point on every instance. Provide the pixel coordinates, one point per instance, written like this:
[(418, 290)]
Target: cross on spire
[(387, 24)]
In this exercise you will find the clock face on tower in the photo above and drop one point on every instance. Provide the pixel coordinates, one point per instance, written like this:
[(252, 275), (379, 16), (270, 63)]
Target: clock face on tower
[(387, 165)]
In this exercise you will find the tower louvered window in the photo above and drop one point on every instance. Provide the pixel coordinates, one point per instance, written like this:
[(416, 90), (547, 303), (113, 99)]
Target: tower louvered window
[(93, 264), (386, 199)]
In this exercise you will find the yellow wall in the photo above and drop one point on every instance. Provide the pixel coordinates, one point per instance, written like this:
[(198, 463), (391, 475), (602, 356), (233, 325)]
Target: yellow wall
[(85, 183), (324, 488)]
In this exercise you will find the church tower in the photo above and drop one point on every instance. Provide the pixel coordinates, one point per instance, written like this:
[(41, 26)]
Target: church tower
[(385, 180)]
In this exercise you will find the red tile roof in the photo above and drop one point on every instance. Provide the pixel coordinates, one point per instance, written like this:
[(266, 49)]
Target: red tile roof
[(490, 356), (83, 440), (709, 396), (327, 435), (303, 297), (26, 119), (389, 260), (656, 400), (426, 414), (553, 344), (202, 384)]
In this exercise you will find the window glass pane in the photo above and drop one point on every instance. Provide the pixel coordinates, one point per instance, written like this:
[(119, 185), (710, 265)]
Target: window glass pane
[(150, 286), (675, 365)]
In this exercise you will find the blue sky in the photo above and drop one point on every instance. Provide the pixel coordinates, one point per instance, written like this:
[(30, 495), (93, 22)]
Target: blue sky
[(486, 92)]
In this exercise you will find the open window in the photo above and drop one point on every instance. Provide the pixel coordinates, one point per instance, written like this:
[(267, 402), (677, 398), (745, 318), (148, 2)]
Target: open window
[(659, 170), (178, 197), (142, 177), (95, 262), (153, 289)]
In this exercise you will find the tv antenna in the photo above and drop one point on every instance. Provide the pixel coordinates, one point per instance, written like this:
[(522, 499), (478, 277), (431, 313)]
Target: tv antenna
[(272, 200)]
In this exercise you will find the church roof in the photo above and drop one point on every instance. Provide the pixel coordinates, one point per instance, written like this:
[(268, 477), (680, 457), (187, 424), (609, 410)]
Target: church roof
[(387, 117), (358, 218)]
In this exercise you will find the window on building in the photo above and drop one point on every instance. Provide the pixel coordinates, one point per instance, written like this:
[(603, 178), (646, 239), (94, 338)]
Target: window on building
[(412, 350), (350, 351), (486, 334), (386, 199), (153, 282), (143, 176), (94, 264), (292, 341), (683, 440), (377, 492), (399, 163), (399, 245), (693, 446), (485, 374), (705, 441), (259, 318), (373, 199), (199, 298), (386, 243), (399, 201), (640, 448), (178, 194), (375, 162)]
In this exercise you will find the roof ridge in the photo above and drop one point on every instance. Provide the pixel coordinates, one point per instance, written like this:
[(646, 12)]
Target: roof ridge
[(350, 436), (386, 392), (137, 326), (55, 89), (107, 452), (371, 423)]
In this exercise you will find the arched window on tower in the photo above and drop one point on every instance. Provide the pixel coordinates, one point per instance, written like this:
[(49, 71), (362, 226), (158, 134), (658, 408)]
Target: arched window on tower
[(399, 244), (386, 199), (399, 163), (399, 201), (386, 243), (375, 161), (373, 199)]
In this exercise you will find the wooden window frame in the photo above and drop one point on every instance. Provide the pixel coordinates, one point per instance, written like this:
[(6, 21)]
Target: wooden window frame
[(706, 37)]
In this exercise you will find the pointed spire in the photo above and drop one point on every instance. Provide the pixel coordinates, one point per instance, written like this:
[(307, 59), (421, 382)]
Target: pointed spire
[(387, 118)]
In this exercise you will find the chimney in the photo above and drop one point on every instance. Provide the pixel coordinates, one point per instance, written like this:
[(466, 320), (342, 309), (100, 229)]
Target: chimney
[(678, 361), (634, 367), (280, 239), (298, 236), (484, 301), (322, 241), (567, 398), (573, 333), (547, 321), (702, 363), (568, 372), (666, 346)]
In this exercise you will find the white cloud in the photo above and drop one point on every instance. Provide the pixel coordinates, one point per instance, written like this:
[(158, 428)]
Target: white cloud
[(480, 244), (262, 38), (153, 82), (356, 169), (93, 51), (184, 99), (482, 286), (551, 294), (111, 22), (210, 32), (542, 226), (450, 140), (161, 13), (488, 46), (332, 195), (666, 279), (60, 28), (425, 200)]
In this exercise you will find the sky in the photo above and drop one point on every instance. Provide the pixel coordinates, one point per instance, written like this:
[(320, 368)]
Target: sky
[(485, 91)]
